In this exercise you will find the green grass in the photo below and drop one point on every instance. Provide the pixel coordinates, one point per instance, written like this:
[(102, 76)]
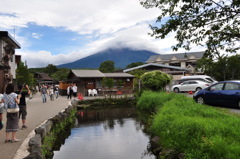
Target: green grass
[(197, 131)]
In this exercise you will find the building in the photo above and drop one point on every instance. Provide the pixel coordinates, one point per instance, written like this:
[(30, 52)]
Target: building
[(93, 79), (43, 78), (8, 59), (174, 71), (183, 60)]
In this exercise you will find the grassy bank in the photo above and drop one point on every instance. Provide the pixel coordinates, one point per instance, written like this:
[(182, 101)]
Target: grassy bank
[(191, 130), (58, 134)]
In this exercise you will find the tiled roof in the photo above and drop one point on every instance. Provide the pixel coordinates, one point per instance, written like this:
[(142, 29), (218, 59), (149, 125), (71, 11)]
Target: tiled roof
[(179, 56), (88, 73), (155, 64), (98, 74), (122, 74)]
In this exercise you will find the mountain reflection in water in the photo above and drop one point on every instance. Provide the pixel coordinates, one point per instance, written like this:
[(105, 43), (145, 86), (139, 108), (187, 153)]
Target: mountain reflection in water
[(106, 134)]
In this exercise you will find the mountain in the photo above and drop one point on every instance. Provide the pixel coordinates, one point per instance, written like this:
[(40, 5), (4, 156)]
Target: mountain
[(121, 57)]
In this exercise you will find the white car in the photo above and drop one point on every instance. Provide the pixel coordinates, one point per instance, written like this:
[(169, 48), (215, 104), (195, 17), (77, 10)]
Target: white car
[(191, 85)]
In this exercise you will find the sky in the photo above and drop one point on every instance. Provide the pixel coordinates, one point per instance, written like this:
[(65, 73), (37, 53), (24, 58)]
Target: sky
[(62, 31)]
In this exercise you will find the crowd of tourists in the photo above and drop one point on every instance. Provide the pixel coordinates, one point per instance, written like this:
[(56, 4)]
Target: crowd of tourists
[(16, 106)]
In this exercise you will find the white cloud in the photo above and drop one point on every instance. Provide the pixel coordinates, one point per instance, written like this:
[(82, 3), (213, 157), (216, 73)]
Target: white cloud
[(112, 23), (37, 35)]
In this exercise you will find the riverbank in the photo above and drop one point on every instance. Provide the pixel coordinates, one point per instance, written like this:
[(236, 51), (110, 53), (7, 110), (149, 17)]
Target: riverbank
[(190, 130)]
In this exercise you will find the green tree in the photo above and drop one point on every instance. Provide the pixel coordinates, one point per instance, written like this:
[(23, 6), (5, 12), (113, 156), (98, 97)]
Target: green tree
[(107, 66), (210, 23), (155, 80), (135, 64), (137, 80), (60, 74), (224, 68), (23, 76), (234, 67), (51, 69)]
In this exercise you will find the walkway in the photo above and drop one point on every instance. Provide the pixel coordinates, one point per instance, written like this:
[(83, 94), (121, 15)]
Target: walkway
[(38, 112)]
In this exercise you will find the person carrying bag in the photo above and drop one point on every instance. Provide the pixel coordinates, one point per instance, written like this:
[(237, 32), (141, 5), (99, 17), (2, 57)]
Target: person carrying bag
[(11, 101)]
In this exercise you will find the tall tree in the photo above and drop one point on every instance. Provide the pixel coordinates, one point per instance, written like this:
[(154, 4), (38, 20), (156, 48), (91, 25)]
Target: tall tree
[(23, 76), (50, 69), (107, 66), (214, 24)]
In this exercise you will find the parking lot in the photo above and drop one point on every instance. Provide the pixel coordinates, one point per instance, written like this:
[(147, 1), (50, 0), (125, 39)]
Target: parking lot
[(231, 109)]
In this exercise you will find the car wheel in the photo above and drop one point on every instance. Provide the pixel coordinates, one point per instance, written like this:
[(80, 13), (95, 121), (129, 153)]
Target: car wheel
[(176, 90), (200, 100), (198, 89), (239, 104)]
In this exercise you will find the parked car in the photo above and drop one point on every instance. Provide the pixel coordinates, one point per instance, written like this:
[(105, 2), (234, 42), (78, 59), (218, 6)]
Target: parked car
[(221, 93), (191, 85), (203, 78)]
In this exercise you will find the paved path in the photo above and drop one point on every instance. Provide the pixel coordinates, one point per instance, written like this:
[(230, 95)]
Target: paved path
[(38, 112)]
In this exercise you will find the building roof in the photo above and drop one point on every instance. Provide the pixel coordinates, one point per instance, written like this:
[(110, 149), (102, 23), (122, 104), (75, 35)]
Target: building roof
[(43, 76), (7, 37), (178, 56), (88, 73), (155, 64), (120, 74), (98, 74)]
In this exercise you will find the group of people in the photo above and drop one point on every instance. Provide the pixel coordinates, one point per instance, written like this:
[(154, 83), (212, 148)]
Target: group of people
[(16, 108), (71, 91), (15, 104), (48, 90)]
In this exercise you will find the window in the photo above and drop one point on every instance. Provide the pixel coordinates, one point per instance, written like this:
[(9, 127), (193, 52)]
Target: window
[(184, 83), (231, 86), (98, 84), (193, 82), (217, 87)]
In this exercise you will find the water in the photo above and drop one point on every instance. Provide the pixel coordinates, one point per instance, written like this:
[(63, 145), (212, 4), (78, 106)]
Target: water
[(106, 134)]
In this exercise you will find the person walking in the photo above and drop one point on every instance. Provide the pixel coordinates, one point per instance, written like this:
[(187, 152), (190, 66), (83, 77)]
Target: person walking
[(69, 92), (22, 104), (1, 111), (56, 90), (44, 93), (51, 93), (74, 88), (11, 101)]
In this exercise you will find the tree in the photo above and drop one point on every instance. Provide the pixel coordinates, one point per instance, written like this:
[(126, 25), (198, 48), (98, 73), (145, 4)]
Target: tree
[(107, 66), (135, 64), (210, 23), (224, 68), (60, 74), (23, 76), (50, 69), (155, 80)]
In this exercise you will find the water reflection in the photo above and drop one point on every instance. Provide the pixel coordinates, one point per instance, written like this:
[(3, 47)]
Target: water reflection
[(106, 134)]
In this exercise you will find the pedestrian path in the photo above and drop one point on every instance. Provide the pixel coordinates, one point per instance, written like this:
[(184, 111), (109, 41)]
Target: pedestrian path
[(38, 112)]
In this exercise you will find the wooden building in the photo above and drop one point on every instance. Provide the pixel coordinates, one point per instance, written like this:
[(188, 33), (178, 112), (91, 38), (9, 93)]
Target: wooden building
[(93, 79)]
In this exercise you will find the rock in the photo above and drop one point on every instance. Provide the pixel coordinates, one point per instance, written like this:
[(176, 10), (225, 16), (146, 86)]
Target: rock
[(35, 141)]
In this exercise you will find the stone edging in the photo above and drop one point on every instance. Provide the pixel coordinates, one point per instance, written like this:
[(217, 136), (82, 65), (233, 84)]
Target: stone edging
[(41, 131)]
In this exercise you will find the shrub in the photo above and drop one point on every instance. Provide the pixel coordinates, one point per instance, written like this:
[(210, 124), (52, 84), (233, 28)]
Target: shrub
[(155, 80), (150, 100)]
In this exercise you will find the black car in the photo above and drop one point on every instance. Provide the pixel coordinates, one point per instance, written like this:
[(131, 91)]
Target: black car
[(222, 93)]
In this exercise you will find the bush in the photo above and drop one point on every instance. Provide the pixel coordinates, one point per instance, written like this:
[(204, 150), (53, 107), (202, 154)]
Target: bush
[(197, 131), (155, 80), (150, 100)]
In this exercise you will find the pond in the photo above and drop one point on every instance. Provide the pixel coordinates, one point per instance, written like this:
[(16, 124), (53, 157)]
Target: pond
[(106, 134)]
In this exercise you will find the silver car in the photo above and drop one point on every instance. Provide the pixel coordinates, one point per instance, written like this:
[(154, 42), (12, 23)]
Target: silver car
[(191, 85)]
